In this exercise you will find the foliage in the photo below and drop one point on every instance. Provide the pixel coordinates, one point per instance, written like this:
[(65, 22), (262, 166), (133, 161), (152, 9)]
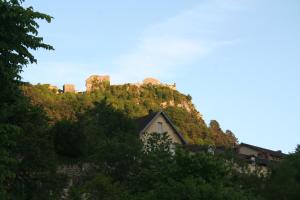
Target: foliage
[(34, 168), (97, 129), (18, 34), (68, 140), (27, 163), (157, 173), (194, 128), (135, 102), (157, 142), (8, 135), (284, 182), (183, 175), (104, 188), (220, 138), (111, 140)]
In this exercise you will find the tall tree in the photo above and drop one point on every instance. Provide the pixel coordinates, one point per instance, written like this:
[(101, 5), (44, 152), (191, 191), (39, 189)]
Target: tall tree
[(25, 148), (284, 182), (220, 138), (18, 35)]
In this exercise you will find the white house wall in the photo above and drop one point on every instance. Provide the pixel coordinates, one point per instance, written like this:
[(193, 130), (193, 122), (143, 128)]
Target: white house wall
[(153, 128)]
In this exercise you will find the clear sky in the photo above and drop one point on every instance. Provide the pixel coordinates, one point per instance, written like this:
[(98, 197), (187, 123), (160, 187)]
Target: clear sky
[(239, 59)]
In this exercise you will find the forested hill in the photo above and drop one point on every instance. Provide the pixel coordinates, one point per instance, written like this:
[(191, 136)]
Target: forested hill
[(135, 101)]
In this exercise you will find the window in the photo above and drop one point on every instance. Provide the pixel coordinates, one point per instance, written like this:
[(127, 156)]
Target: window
[(160, 127), (253, 160), (211, 150)]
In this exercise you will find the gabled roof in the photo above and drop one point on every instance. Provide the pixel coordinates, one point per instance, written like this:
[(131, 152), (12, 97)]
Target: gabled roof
[(268, 151), (144, 122), (205, 148)]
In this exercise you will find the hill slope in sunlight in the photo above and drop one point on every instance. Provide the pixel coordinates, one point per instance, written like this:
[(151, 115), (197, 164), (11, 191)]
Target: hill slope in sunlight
[(135, 101)]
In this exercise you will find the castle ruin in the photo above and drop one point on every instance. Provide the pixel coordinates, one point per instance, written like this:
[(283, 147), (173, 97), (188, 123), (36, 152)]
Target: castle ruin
[(95, 82), (69, 88), (153, 81)]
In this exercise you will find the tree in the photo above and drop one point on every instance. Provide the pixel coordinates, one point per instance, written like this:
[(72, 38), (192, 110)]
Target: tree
[(284, 182), (163, 175), (34, 172), (219, 137), (68, 140), (27, 162), (112, 140), (104, 188), (8, 135), (18, 35)]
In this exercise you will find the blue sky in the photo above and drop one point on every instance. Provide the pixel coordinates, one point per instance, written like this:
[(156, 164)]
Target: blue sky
[(239, 59)]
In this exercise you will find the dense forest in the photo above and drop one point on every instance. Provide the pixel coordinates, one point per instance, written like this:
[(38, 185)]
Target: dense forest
[(85, 146), (134, 101)]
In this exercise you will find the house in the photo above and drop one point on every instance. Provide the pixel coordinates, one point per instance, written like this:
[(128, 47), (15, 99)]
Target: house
[(257, 159), (250, 153), (259, 155), (158, 122), (195, 148)]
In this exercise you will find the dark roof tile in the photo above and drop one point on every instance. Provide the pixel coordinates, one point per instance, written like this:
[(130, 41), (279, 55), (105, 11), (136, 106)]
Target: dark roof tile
[(268, 151), (142, 122)]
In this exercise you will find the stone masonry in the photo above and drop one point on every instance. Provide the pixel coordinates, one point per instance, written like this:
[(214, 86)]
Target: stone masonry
[(69, 88), (96, 82)]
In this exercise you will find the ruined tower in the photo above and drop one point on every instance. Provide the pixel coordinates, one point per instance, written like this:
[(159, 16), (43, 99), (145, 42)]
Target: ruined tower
[(96, 82), (151, 81), (69, 88)]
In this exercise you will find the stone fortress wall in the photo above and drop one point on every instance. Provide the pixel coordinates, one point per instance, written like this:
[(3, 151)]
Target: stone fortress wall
[(153, 81), (101, 81)]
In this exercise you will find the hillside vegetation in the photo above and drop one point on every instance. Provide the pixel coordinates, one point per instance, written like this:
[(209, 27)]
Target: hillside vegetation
[(84, 146), (134, 101)]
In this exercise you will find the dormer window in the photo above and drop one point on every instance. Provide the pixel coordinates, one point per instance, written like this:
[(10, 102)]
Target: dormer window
[(211, 150), (160, 127), (253, 160)]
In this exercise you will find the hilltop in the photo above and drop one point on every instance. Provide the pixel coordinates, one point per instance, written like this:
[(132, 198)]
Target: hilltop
[(135, 100)]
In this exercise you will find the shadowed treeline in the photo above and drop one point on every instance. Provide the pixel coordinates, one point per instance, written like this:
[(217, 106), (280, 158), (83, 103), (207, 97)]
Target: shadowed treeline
[(101, 138)]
